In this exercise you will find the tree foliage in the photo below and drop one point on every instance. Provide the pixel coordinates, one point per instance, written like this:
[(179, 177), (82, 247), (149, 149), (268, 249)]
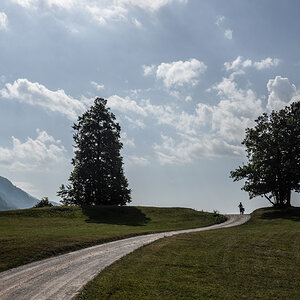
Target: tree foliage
[(44, 203), (98, 176), (273, 151)]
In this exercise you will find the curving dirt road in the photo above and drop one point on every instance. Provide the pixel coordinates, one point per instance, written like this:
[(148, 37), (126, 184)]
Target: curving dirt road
[(63, 276)]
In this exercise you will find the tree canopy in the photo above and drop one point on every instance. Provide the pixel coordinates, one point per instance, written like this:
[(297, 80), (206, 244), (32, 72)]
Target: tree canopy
[(98, 176), (44, 203), (273, 151)]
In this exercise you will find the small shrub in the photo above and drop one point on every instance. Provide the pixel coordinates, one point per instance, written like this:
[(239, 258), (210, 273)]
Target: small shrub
[(216, 213)]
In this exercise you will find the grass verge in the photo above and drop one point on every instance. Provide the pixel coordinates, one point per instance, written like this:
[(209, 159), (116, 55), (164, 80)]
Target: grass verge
[(258, 260), (33, 234)]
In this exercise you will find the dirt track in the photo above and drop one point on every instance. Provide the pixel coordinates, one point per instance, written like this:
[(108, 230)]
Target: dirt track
[(63, 276)]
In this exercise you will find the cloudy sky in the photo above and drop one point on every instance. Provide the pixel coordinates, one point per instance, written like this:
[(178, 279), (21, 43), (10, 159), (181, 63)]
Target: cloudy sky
[(184, 78)]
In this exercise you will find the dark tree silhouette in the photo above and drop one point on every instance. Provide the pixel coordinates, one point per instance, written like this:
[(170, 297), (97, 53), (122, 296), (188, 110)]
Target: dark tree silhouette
[(98, 176), (273, 151), (44, 203)]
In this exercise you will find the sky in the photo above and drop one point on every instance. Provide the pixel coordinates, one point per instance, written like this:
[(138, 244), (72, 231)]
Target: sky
[(183, 77)]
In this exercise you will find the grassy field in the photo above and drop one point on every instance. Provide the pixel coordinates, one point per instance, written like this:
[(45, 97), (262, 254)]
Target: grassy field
[(258, 260), (33, 234)]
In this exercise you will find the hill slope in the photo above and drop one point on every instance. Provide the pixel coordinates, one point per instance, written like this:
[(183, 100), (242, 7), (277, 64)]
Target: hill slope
[(258, 260), (32, 234), (12, 197)]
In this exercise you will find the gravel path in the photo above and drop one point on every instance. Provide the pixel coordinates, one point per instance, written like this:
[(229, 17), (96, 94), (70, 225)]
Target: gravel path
[(62, 277)]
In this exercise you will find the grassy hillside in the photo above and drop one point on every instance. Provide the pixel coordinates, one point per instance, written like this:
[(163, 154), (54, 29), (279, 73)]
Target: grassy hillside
[(258, 260), (33, 234)]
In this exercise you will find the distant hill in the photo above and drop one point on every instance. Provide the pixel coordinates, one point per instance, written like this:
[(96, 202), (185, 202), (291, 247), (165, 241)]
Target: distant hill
[(12, 197)]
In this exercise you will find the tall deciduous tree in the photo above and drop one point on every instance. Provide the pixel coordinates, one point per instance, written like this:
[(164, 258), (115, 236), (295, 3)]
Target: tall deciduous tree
[(273, 151), (98, 176)]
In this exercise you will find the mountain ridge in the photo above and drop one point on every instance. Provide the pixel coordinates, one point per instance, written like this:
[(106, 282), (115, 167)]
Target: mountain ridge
[(12, 197)]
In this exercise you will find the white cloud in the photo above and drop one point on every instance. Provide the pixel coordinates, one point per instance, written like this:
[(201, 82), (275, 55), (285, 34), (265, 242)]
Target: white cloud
[(111, 13), (97, 85), (266, 63), (3, 21), (125, 105), (281, 93), (45, 4), (228, 34), (240, 64), (38, 153), (212, 130), (220, 20), (180, 72), (188, 98), (29, 4), (118, 10), (149, 70), (137, 23), (190, 148), (127, 142), (66, 4), (135, 123), (152, 5), (103, 11), (136, 160), (34, 93), (225, 122)]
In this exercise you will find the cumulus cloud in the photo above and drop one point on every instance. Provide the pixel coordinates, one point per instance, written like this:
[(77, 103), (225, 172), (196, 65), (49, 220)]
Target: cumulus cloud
[(153, 5), (43, 151), (104, 14), (3, 21), (281, 93), (177, 73), (125, 105), (212, 130), (180, 72), (191, 147), (217, 130), (240, 64), (29, 4), (149, 70), (266, 63), (118, 10), (103, 11), (34, 93)]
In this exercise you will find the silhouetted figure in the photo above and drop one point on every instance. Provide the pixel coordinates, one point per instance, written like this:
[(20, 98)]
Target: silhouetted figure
[(242, 209)]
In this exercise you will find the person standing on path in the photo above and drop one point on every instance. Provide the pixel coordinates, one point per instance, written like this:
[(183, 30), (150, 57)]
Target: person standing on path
[(242, 209)]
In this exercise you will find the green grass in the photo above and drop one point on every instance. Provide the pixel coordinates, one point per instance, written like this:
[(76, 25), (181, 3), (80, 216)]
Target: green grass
[(33, 234), (258, 260)]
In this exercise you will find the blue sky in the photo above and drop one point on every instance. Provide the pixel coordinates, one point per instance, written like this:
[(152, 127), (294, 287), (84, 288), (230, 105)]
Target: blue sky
[(184, 78)]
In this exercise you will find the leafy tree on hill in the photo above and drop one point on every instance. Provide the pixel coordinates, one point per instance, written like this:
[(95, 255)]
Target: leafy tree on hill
[(43, 203), (273, 151), (98, 176)]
